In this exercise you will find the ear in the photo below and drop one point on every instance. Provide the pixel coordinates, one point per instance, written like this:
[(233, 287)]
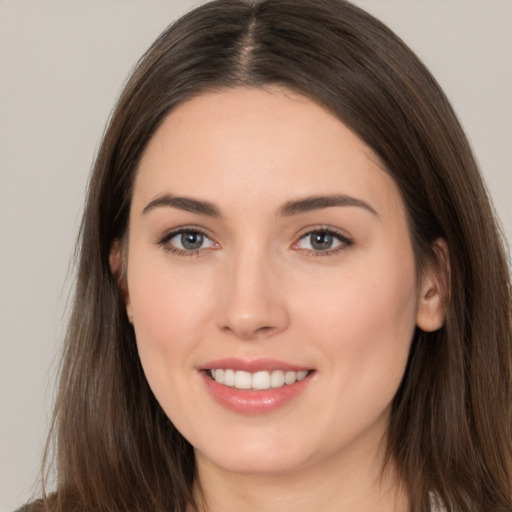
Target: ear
[(118, 270), (434, 289)]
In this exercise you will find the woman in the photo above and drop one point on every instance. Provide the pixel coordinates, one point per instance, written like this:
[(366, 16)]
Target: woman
[(292, 291)]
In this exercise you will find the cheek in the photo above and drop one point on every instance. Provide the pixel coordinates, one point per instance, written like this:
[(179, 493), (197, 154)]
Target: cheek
[(379, 312), (168, 332), (167, 327), (366, 321)]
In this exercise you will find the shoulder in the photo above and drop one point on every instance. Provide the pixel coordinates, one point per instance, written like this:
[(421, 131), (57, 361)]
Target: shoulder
[(35, 506)]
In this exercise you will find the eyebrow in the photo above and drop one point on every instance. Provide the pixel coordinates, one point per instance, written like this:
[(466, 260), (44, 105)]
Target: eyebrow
[(309, 204), (305, 205), (183, 203)]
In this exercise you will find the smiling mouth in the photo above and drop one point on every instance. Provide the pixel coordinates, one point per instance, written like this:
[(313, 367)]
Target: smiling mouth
[(257, 381)]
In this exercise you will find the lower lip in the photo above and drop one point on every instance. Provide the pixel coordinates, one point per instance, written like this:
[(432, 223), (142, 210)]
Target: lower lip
[(254, 402)]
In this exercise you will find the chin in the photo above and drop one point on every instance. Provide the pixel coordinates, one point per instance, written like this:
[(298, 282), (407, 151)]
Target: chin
[(256, 461)]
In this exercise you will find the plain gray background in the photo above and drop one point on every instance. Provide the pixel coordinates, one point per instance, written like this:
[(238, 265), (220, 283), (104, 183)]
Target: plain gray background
[(62, 65)]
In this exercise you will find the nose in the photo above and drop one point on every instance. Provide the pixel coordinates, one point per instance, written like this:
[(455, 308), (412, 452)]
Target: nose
[(253, 300)]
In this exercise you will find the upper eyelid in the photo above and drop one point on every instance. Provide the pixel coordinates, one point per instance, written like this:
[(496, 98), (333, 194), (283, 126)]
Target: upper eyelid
[(323, 228), (171, 233), (164, 241)]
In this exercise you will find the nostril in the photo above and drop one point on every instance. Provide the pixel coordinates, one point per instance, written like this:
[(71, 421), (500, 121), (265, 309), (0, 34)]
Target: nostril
[(248, 332)]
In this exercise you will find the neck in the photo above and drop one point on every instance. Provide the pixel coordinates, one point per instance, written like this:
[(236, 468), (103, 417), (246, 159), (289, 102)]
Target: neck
[(345, 482)]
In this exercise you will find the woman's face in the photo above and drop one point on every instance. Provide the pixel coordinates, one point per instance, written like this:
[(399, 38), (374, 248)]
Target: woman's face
[(268, 249)]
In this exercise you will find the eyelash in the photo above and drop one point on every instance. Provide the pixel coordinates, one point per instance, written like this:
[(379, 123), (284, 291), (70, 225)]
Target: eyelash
[(344, 241), (167, 237)]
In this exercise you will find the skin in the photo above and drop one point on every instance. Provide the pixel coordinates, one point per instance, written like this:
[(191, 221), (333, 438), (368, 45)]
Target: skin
[(257, 288)]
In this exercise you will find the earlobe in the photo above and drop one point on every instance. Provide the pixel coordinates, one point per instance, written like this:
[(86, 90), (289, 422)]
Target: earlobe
[(434, 290), (118, 271)]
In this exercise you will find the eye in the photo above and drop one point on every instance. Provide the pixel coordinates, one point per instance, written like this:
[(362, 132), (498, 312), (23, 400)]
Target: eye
[(187, 241), (322, 241)]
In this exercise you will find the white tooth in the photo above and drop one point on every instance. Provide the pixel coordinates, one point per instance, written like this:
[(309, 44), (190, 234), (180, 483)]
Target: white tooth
[(261, 380), (229, 377), (290, 377), (277, 379), (243, 380), (301, 375), (219, 376)]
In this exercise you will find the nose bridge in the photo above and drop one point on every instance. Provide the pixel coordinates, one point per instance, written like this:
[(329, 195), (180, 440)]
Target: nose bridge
[(252, 304)]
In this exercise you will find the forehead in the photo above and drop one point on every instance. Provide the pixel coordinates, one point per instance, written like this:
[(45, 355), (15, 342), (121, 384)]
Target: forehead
[(249, 142)]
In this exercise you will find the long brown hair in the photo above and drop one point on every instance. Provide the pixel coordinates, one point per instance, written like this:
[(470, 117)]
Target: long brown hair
[(450, 432)]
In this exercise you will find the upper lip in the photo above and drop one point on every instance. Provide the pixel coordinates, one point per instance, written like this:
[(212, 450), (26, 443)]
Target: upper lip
[(253, 365)]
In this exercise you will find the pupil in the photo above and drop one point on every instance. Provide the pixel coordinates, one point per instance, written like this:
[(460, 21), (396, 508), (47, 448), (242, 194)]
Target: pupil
[(192, 240), (321, 241)]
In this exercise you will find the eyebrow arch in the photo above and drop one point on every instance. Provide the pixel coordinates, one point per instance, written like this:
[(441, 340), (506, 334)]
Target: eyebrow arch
[(183, 203), (309, 204)]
